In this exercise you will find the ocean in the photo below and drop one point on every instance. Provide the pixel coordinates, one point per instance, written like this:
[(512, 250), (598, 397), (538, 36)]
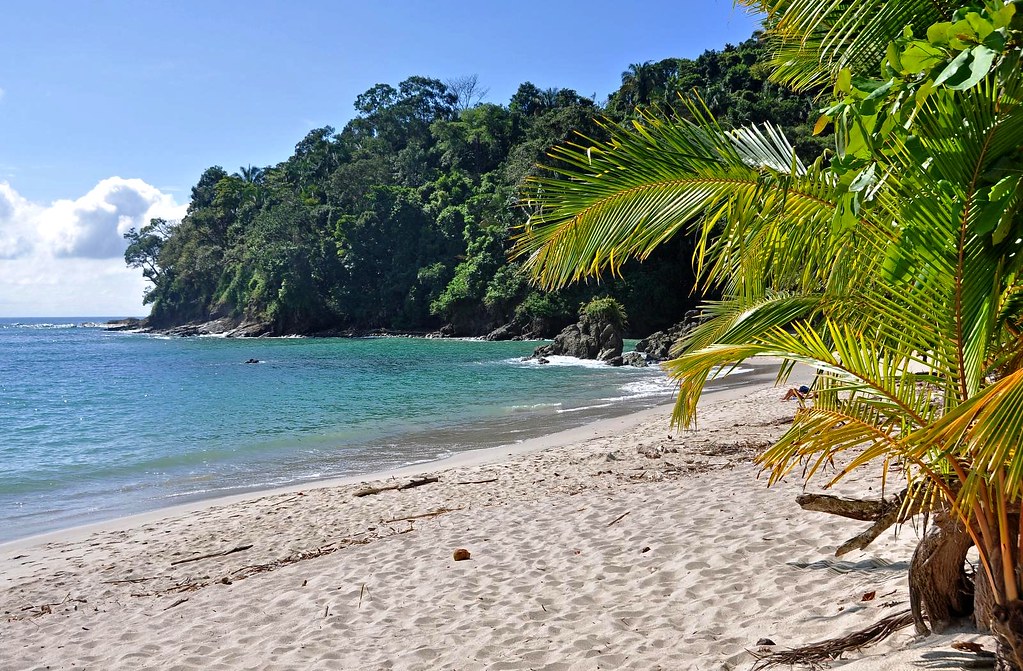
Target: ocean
[(97, 424)]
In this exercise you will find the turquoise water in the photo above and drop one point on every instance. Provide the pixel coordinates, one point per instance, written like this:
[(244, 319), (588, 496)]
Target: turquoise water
[(96, 424)]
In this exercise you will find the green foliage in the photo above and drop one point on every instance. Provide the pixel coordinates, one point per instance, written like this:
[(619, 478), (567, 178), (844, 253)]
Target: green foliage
[(404, 218), (605, 309)]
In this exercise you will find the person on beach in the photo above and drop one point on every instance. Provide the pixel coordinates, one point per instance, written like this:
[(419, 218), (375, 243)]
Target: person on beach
[(801, 393)]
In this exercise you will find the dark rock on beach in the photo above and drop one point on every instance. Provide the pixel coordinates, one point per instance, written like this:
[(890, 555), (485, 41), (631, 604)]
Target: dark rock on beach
[(587, 339), (130, 324), (657, 346), (227, 327), (509, 331), (518, 329), (637, 359)]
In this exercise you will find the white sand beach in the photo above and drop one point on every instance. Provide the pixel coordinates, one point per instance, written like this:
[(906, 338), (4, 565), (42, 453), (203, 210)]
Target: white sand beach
[(621, 545)]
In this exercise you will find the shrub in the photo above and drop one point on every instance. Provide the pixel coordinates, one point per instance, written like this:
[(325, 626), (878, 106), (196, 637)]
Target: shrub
[(605, 309)]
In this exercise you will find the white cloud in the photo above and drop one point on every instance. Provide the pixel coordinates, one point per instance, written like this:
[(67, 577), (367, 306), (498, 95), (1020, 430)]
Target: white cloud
[(94, 225), (16, 223), (66, 258), (2, 93)]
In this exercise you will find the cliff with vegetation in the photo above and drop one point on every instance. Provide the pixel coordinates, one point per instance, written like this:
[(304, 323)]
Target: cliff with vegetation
[(403, 219)]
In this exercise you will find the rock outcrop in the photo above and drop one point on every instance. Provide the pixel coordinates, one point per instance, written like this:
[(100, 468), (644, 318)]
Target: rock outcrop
[(519, 329), (586, 339), (636, 359), (228, 327), (129, 324), (509, 331), (657, 346)]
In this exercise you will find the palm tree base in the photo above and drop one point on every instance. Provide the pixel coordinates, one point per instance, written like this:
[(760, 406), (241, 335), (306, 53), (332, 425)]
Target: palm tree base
[(939, 586), (1007, 627)]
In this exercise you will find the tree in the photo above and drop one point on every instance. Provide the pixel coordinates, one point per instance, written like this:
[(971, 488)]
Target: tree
[(143, 251), (417, 184), (638, 84), (467, 90), (891, 266), (250, 174)]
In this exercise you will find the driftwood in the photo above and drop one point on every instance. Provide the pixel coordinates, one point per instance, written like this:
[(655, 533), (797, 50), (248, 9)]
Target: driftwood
[(619, 518), (940, 589), (432, 513), (396, 486), (884, 513), (240, 548)]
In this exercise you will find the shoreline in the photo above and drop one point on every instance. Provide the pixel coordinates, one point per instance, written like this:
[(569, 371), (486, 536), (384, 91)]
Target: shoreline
[(477, 456), (614, 545), (188, 425)]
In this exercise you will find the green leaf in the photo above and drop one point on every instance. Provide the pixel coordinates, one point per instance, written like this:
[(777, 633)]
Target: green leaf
[(996, 40), (894, 58), (864, 179), (1001, 196), (920, 57), (926, 89), (980, 65), (981, 27), (939, 33), (955, 70), (843, 84), (1003, 16), (967, 69), (962, 35), (869, 84), (880, 91)]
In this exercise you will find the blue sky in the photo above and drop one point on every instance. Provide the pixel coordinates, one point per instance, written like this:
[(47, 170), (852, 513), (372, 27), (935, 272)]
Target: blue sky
[(153, 93)]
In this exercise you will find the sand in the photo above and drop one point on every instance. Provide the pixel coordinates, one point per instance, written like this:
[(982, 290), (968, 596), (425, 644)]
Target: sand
[(621, 545)]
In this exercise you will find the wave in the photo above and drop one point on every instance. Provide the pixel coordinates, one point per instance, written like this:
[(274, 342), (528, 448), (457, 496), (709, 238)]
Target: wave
[(557, 361), (39, 325), (645, 389), (586, 407), (533, 407)]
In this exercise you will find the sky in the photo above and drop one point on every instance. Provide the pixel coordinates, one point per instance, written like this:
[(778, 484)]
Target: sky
[(111, 110)]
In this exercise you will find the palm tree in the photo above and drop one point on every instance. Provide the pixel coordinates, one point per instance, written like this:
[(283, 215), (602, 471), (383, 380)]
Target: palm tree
[(250, 174), (892, 267), (638, 83)]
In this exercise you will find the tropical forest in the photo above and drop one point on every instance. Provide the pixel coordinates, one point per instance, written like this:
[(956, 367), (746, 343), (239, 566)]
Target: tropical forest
[(404, 219)]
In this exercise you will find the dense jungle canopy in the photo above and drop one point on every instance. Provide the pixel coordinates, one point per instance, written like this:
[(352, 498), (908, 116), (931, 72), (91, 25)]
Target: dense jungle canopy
[(403, 218)]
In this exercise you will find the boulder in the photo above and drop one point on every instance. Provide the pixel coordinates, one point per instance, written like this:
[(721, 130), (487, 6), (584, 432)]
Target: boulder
[(509, 331), (657, 346), (225, 326), (586, 339), (637, 359)]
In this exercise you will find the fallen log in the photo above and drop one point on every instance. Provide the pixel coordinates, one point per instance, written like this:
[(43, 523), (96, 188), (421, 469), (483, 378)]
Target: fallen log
[(856, 509), (396, 486)]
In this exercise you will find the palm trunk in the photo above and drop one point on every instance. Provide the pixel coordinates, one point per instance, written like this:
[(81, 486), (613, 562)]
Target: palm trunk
[(1007, 627), (1004, 622), (939, 587)]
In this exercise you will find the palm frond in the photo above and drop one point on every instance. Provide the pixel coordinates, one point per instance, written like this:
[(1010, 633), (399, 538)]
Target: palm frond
[(985, 432), (621, 199), (812, 40)]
